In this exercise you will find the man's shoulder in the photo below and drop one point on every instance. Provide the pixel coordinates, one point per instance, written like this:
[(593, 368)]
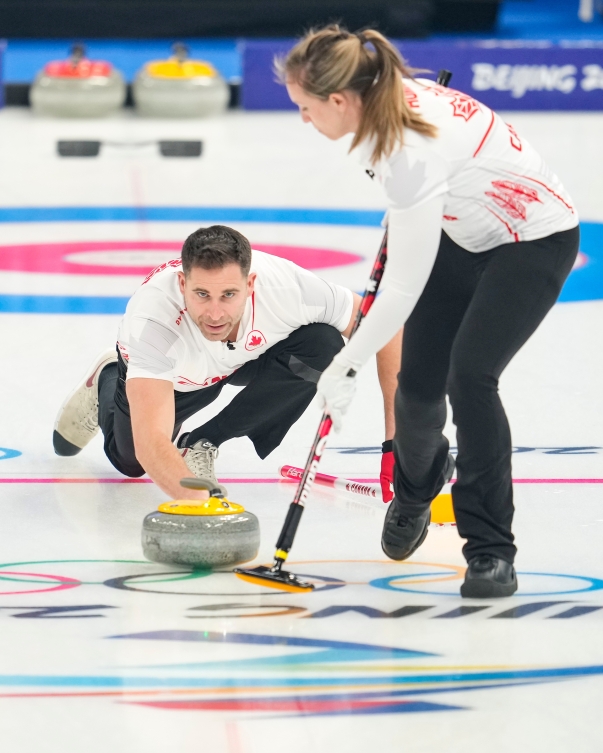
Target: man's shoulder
[(263, 261), (163, 275), (274, 272), (158, 296)]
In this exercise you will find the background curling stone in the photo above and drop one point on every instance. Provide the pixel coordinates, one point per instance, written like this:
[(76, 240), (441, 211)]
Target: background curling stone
[(212, 533), (78, 88), (180, 88)]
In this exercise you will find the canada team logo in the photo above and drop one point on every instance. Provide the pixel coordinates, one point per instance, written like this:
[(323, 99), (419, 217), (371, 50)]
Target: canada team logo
[(255, 339)]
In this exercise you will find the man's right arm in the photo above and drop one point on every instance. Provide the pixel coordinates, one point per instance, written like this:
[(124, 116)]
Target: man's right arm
[(152, 412)]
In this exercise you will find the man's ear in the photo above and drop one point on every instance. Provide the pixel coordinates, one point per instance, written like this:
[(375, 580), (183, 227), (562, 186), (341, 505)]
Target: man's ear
[(181, 281), (250, 283)]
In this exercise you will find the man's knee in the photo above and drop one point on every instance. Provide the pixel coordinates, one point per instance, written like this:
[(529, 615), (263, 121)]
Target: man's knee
[(125, 463), (313, 345), (133, 469)]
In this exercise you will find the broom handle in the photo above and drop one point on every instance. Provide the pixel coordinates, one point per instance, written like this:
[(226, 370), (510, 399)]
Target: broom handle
[(285, 540)]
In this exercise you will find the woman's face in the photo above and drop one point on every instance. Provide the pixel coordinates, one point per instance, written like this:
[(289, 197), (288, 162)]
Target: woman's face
[(333, 117)]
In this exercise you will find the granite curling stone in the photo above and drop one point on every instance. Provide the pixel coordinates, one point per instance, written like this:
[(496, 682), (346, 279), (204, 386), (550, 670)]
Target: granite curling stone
[(180, 88), (78, 87), (210, 533)]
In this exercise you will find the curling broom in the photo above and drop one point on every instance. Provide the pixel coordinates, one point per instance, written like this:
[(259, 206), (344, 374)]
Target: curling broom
[(275, 576), (442, 513)]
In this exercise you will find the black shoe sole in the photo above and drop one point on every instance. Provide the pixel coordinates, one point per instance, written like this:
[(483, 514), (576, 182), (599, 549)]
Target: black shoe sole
[(482, 588), (62, 447), (410, 552)]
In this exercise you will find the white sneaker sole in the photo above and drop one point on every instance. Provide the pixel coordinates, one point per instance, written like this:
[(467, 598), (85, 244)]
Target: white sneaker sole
[(89, 380)]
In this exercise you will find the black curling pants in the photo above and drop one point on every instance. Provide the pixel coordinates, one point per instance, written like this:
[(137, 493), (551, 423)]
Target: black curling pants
[(279, 386), (475, 313)]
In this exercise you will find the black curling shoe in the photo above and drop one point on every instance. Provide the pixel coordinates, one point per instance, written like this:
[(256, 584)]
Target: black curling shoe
[(402, 534), (488, 577)]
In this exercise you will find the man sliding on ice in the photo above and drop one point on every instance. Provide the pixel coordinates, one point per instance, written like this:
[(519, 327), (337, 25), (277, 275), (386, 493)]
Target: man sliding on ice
[(223, 314)]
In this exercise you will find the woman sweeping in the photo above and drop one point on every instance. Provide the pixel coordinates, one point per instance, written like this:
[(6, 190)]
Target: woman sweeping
[(481, 237)]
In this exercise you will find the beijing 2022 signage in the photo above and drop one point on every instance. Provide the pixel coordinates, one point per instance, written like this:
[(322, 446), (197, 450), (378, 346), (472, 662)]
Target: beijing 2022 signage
[(505, 75)]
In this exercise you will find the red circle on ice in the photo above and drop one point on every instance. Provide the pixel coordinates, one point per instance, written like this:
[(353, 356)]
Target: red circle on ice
[(63, 582), (139, 257)]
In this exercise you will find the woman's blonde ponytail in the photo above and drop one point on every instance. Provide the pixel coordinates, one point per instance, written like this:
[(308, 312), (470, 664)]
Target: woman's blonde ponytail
[(332, 59)]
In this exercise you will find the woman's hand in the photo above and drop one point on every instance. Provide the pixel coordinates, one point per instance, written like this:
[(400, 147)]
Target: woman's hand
[(335, 391)]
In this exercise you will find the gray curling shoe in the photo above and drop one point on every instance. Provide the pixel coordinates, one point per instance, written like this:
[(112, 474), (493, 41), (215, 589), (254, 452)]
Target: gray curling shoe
[(200, 459), (489, 577)]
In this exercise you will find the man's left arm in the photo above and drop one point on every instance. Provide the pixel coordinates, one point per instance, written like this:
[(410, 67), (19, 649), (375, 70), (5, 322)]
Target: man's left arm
[(388, 366)]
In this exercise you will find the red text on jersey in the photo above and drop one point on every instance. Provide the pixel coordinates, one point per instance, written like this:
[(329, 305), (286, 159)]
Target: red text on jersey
[(207, 383), (512, 197), (165, 265), (515, 140)]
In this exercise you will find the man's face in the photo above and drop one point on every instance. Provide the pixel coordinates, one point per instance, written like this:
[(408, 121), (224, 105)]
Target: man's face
[(215, 299)]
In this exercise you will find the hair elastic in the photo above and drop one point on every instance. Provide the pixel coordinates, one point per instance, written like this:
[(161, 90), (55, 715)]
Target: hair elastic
[(361, 37)]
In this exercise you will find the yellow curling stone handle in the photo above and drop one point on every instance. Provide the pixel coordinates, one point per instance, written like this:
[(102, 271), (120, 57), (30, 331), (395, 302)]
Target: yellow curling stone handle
[(212, 506), (174, 68)]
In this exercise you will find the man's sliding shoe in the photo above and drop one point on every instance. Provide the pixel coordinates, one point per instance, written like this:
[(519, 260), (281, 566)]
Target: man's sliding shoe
[(403, 534), (200, 458), (488, 577), (77, 421)]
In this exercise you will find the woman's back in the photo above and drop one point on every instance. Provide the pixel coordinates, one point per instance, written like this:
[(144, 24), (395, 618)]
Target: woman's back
[(497, 187)]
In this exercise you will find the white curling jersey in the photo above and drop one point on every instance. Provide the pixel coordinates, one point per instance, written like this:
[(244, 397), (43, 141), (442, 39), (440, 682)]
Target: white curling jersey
[(496, 187), (158, 340)]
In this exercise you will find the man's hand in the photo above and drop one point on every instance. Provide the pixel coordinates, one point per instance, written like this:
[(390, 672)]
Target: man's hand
[(387, 471), (152, 410), (335, 390)]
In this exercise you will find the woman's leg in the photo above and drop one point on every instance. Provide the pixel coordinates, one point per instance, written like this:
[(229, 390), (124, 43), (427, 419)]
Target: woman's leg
[(518, 285), (420, 449)]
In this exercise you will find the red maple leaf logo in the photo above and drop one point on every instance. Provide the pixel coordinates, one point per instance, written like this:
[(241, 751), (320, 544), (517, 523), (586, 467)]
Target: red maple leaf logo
[(255, 339), (463, 105)]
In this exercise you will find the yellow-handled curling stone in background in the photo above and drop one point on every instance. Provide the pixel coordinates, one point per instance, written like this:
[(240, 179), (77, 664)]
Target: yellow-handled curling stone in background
[(78, 87), (180, 88), (208, 533)]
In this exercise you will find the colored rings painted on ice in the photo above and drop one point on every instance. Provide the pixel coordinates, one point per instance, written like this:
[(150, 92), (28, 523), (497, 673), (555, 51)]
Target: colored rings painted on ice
[(420, 580), (408, 583)]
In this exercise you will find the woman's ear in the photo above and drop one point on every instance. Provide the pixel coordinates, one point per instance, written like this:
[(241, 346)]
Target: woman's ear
[(339, 99)]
